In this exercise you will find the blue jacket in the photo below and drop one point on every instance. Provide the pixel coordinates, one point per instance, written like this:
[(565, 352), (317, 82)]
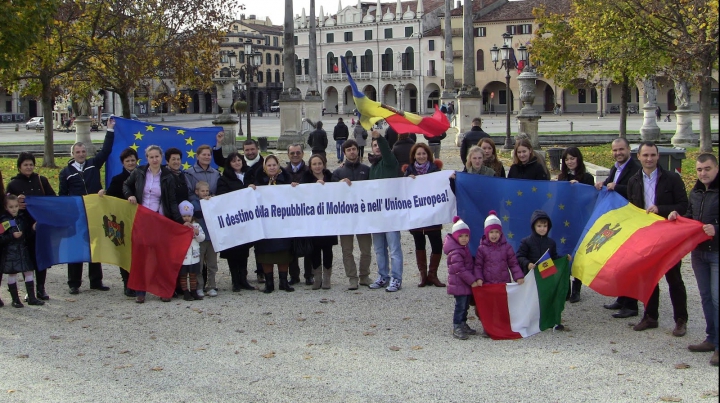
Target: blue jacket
[(78, 182), (198, 214)]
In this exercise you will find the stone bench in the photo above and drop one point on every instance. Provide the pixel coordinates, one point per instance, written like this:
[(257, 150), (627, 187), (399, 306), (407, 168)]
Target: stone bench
[(598, 172)]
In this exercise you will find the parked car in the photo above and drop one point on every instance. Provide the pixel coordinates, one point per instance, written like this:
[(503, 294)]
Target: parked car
[(36, 123), (275, 106), (134, 116)]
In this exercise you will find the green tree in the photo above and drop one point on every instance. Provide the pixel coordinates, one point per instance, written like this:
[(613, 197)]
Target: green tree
[(21, 25)]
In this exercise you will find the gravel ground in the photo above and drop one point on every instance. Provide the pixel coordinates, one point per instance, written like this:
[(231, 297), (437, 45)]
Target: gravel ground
[(335, 345)]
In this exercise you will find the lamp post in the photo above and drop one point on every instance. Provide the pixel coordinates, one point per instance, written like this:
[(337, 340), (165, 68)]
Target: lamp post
[(246, 71), (601, 83), (505, 63)]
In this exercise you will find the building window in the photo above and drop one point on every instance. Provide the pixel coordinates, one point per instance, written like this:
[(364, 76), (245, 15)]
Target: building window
[(224, 57), (298, 67), (332, 63), (235, 28), (330, 38), (277, 59), (348, 36), (581, 96), (480, 32), (295, 39), (275, 41), (387, 60), (277, 76), (268, 58), (608, 98), (259, 76), (525, 29), (502, 97), (388, 33), (368, 34), (408, 32), (593, 96), (480, 60), (268, 76), (431, 69), (241, 57), (366, 61), (408, 59), (307, 66), (267, 40), (351, 63), (511, 29), (431, 44)]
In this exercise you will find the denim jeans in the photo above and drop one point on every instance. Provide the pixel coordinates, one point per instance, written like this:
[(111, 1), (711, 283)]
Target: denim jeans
[(462, 304), (338, 148), (384, 242), (705, 266)]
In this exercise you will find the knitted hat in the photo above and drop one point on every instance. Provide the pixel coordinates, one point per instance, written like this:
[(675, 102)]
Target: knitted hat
[(459, 228), (186, 208), (492, 222)]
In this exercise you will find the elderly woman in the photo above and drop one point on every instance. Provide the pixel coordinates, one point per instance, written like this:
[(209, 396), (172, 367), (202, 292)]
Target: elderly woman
[(490, 158), (269, 252), (153, 186), (421, 163), (129, 159), (526, 164), (25, 183)]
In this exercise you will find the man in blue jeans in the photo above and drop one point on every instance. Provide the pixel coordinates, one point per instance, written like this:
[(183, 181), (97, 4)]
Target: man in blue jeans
[(704, 208), (340, 134), (385, 165)]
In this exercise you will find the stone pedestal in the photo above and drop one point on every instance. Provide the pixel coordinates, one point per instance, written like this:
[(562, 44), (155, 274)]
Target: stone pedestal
[(528, 116), (684, 136), (529, 126), (291, 104), (469, 104), (313, 107), (82, 134), (649, 130), (225, 119)]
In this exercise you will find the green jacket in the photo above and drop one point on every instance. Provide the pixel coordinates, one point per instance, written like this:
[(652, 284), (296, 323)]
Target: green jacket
[(387, 167)]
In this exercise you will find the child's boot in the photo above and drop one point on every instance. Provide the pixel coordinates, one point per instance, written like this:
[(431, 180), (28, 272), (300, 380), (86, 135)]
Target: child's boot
[(421, 259), (317, 274), (15, 297), (326, 274), (187, 295), (433, 269), (459, 333), (31, 299)]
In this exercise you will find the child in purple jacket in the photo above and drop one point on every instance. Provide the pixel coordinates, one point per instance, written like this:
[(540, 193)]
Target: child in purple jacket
[(461, 276), (495, 256)]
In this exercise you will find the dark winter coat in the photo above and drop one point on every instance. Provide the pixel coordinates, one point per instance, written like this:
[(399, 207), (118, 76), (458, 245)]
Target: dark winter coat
[(181, 188), (530, 170), (297, 176), (534, 246), (471, 139), (229, 182), (74, 182), (135, 184), (704, 208), (391, 136), (632, 167), (586, 178), (320, 241), (355, 171), (318, 141), (33, 185), (341, 132), (461, 273), (492, 261), (251, 172), (15, 256), (115, 188), (387, 166), (669, 192), (401, 150), (436, 140), (277, 244)]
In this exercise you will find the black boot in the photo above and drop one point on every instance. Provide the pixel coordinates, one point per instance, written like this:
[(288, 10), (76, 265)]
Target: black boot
[(284, 284), (575, 295), (270, 283), (187, 295), (242, 280), (32, 300), (125, 277), (40, 276), (234, 274), (15, 297)]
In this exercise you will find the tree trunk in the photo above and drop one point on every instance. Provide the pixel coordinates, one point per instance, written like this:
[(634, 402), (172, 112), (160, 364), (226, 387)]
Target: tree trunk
[(47, 109), (705, 97), (624, 99), (125, 103)]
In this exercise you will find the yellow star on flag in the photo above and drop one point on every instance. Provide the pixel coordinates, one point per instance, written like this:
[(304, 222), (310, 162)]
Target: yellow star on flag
[(181, 132), (135, 147), (509, 202), (510, 235), (506, 218), (166, 128), (191, 154), (561, 206), (185, 165), (189, 141), (138, 161), (534, 189), (519, 192), (562, 240), (150, 128), (138, 136), (549, 195), (567, 223)]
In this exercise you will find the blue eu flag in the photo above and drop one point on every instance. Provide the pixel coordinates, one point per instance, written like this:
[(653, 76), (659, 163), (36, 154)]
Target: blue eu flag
[(139, 135)]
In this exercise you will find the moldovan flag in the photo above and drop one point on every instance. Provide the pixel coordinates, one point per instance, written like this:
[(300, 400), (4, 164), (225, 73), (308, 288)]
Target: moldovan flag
[(545, 265), (512, 311), (623, 251), (73, 229), (402, 122)]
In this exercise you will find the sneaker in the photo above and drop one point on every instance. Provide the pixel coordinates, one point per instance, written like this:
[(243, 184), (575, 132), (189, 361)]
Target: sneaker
[(212, 293), (459, 333), (394, 285), (379, 283), (467, 329), (200, 293)]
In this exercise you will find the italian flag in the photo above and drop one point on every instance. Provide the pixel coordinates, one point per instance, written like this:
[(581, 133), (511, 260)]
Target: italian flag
[(512, 311)]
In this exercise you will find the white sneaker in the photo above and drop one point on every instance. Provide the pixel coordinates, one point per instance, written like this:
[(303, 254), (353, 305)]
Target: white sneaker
[(212, 293), (379, 283), (395, 285), (200, 293)]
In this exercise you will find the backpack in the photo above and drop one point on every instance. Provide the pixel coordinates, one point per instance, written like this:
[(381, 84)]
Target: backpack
[(443, 109)]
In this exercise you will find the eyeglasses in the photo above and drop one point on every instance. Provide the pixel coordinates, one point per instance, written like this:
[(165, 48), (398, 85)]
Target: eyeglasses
[(295, 153)]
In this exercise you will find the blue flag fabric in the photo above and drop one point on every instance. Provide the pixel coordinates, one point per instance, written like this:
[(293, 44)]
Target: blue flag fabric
[(568, 205), (62, 230), (139, 135)]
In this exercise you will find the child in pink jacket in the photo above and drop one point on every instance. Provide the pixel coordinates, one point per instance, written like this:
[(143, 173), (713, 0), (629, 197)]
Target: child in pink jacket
[(461, 276), (495, 258)]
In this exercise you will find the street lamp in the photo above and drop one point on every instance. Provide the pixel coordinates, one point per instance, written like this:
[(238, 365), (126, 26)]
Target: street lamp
[(601, 83), (505, 63), (253, 60)]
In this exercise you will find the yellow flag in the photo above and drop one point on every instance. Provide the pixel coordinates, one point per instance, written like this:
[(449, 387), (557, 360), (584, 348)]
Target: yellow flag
[(110, 222)]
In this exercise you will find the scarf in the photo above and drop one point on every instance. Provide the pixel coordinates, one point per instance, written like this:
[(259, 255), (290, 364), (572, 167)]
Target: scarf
[(373, 159), (472, 170), (422, 169), (250, 163)]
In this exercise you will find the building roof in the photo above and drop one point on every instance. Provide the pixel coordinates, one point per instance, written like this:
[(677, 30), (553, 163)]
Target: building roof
[(477, 6), (437, 31), (264, 29), (523, 10)]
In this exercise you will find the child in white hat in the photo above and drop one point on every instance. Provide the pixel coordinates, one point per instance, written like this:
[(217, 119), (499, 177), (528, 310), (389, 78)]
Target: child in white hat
[(495, 255), (191, 265)]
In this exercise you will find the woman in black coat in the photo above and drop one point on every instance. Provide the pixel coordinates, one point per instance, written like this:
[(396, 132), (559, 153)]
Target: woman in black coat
[(525, 163), (232, 179), (269, 252), (322, 245)]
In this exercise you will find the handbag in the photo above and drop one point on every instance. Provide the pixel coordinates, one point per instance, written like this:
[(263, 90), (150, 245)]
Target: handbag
[(302, 247)]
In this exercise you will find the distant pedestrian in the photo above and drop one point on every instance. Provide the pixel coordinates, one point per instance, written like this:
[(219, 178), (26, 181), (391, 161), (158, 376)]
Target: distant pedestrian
[(658, 113)]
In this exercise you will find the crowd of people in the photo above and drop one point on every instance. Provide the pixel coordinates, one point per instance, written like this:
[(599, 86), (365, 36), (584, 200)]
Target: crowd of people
[(175, 193)]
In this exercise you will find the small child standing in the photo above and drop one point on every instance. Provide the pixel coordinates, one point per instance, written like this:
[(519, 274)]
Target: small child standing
[(208, 256), (461, 276), (191, 265), (495, 256), (534, 246), (15, 255)]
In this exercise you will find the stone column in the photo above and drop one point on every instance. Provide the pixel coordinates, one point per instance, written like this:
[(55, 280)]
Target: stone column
[(313, 99), (469, 100), (226, 119), (291, 101), (528, 116), (650, 130), (449, 88), (684, 135)]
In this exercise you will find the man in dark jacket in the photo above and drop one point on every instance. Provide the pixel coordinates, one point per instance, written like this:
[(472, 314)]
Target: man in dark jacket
[(472, 138), (317, 140), (704, 208), (296, 167), (352, 170), (401, 150), (340, 134), (660, 192), (82, 177), (620, 174), (391, 136)]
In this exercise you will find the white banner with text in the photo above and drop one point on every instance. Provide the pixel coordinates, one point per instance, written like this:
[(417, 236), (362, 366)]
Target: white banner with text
[(337, 208)]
